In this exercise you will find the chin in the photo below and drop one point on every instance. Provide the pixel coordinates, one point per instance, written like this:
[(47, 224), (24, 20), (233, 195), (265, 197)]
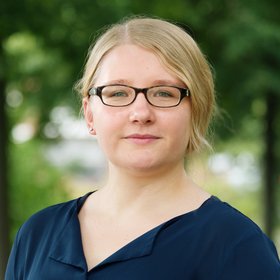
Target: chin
[(144, 168)]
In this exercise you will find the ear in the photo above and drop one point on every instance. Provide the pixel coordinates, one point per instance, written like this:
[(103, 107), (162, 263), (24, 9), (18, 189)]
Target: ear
[(88, 113)]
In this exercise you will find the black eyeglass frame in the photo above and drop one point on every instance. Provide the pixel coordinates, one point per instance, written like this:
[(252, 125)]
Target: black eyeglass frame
[(184, 92)]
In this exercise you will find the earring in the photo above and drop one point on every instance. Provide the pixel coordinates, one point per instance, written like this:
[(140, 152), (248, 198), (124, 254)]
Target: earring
[(92, 131)]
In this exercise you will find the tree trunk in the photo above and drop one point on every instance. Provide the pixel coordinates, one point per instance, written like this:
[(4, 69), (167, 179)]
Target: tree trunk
[(270, 162), (4, 221)]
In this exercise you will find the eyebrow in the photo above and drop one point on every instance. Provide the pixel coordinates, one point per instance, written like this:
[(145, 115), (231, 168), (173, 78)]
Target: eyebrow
[(118, 81), (167, 82), (154, 83)]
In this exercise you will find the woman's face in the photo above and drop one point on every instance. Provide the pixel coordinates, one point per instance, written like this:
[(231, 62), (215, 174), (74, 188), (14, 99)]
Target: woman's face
[(139, 137)]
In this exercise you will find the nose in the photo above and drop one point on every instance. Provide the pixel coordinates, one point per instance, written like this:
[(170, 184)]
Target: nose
[(141, 111)]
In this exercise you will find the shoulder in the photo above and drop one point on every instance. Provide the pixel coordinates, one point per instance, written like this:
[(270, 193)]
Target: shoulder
[(51, 219), (224, 216), (38, 235), (228, 227), (244, 249), (51, 214), (239, 233)]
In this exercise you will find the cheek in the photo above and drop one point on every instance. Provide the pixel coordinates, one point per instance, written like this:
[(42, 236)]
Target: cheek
[(181, 121), (182, 128), (107, 121)]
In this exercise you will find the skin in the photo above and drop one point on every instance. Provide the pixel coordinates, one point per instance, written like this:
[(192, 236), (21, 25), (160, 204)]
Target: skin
[(115, 131), (145, 147)]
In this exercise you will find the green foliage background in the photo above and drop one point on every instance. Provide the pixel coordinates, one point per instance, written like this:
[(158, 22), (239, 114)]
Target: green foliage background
[(34, 183), (44, 45)]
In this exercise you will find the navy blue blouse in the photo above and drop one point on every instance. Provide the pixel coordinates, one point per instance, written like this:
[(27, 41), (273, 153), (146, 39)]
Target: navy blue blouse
[(214, 242)]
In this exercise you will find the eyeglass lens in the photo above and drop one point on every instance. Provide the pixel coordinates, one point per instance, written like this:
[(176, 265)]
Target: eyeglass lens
[(161, 96)]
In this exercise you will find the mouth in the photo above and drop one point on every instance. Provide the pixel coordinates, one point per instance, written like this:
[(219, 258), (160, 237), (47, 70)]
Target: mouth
[(141, 138)]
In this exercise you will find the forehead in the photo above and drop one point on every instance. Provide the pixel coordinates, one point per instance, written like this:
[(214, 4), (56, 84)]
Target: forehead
[(135, 64)]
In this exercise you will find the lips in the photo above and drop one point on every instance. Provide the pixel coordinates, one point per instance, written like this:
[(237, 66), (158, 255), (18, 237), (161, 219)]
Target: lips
[(142, 138)]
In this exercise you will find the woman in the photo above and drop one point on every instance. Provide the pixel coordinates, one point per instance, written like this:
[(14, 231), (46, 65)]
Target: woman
[(148, 97)]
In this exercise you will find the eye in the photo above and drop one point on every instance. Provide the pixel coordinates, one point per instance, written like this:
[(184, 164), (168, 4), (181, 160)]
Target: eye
[(118, 94), (164, 93), (115, 92)]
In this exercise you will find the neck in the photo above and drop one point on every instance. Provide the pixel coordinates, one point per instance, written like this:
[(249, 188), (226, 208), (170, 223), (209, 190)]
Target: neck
[(141, 191)]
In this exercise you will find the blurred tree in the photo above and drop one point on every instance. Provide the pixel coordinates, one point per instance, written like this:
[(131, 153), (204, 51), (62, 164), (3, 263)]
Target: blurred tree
[(242, 40), (44, 43), (250, 41), (43, 46), (4, 224)]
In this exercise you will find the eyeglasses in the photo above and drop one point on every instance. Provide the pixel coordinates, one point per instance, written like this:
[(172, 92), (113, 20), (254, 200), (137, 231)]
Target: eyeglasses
[(122, 95)]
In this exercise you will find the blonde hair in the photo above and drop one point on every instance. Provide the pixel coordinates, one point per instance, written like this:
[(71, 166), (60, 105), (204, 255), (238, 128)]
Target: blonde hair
[(177, 51)]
